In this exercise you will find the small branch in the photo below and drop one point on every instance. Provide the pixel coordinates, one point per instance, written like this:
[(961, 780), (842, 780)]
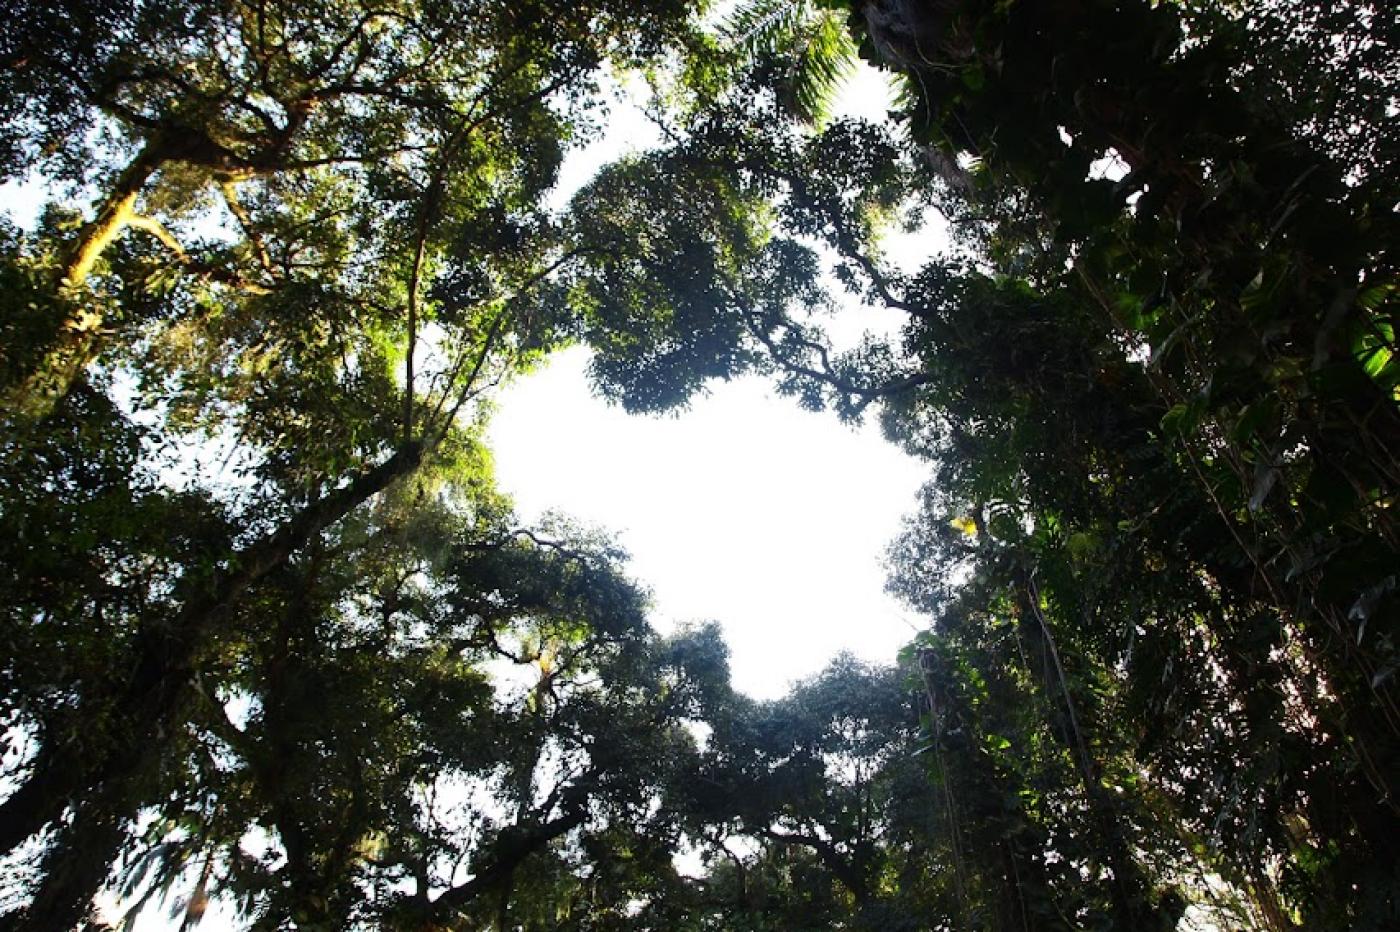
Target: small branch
[(866, 394), (245, 220), (157, 229), (203, 270), (541, 542), (467, 393), (848, 246)]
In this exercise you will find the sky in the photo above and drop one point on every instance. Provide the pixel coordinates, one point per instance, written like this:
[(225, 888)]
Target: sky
[(745, 510)]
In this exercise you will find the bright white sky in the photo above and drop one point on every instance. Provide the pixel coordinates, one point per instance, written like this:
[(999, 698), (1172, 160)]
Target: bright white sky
[(745, 509)]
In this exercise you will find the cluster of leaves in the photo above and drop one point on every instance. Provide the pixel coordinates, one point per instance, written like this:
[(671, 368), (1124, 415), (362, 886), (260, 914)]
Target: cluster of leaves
[(1183, 462)]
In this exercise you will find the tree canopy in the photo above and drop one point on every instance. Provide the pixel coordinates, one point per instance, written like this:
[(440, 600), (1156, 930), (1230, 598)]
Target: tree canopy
[(336, 684)]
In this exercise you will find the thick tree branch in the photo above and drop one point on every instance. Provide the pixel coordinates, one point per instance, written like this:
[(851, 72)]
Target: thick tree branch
[(509, 852), (846, 873)]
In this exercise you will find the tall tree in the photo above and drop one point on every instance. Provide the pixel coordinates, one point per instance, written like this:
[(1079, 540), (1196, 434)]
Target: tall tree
[(406, 112), (376, 176), (1156, 383)]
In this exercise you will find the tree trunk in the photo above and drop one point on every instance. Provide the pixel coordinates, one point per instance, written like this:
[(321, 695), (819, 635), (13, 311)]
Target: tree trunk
[(77, 340), (75, 868), (112, 217)]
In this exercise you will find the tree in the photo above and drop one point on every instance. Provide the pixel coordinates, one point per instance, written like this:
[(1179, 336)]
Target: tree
[(812, 810), (404, 112), (380, 174), (1164, 353), (395, 773)]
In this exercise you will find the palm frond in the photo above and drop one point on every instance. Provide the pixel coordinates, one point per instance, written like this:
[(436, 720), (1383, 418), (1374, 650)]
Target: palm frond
[(765, 26), (823, 62), (812, 44)]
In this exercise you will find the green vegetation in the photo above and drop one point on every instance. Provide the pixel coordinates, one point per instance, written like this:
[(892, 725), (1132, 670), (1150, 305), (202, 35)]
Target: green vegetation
[(1154, 379)]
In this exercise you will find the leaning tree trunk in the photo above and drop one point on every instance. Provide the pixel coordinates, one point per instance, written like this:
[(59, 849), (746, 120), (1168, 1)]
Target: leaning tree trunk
[(77, 340), (105, 791)]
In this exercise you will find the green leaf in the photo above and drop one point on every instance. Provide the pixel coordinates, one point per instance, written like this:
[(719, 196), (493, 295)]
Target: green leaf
[(996, 742), (1181, 420)]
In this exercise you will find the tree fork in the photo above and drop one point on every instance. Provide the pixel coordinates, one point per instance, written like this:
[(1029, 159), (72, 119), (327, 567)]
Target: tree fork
[(112, 217), (77, 339)]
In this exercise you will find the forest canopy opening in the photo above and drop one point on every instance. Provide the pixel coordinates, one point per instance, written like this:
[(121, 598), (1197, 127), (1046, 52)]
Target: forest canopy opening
[(1151, 380)]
